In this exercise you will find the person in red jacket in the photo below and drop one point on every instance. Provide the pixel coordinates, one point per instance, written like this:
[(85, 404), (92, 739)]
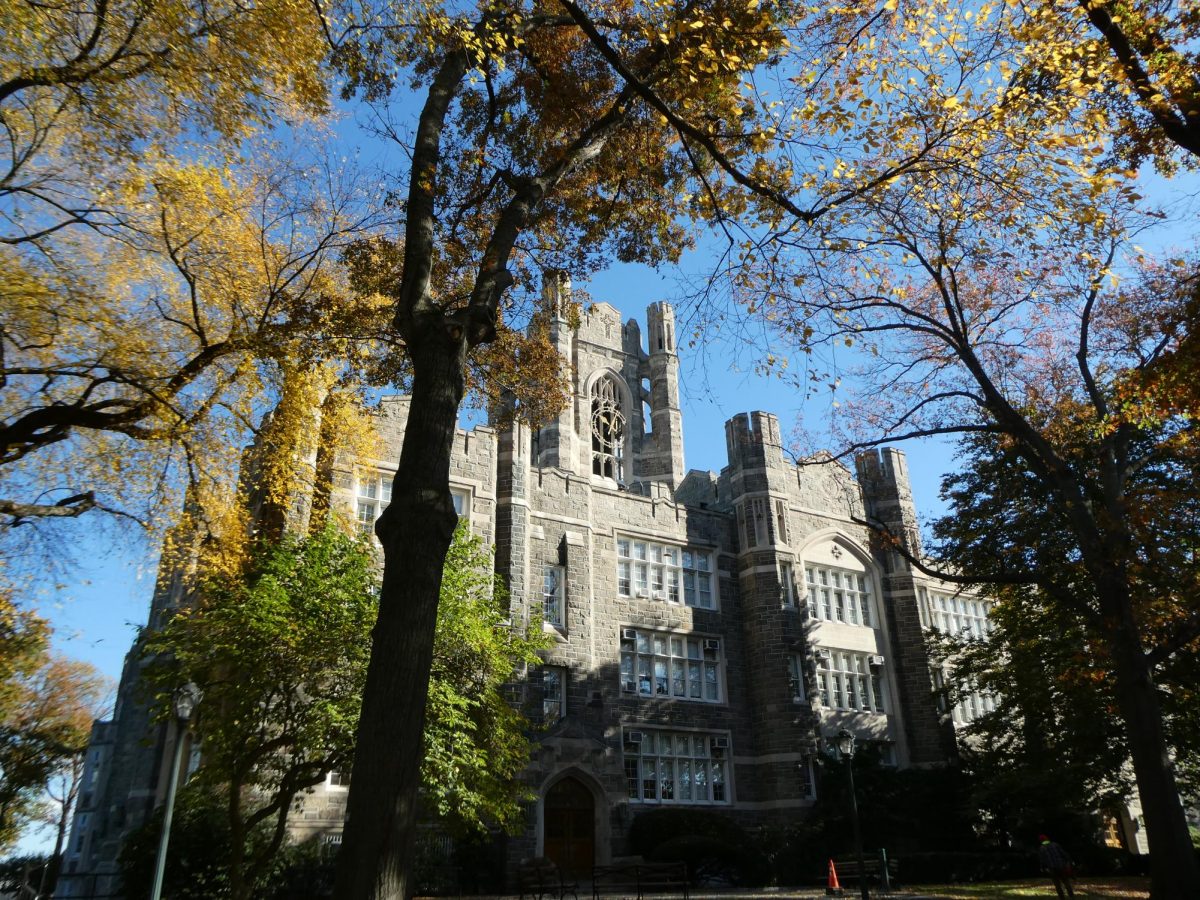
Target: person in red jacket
[(1057, 864)]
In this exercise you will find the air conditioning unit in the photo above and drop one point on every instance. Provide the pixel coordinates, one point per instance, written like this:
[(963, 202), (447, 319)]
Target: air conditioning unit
[(712, 644), (822, 653), (633, 737), (876, 661), (660, 595), (720, 743), (643, 593), (629, 687), (629, 634)]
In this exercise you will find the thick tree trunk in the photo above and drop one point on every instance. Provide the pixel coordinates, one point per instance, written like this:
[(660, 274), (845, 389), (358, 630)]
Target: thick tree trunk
[(1174, 872), (415, 531)]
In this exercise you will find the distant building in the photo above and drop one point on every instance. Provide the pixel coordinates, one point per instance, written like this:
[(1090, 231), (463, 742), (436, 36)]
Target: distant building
[(710, 631)]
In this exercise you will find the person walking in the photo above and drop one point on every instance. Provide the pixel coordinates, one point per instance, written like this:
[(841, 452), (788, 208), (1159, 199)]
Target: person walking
[(1057, 864)]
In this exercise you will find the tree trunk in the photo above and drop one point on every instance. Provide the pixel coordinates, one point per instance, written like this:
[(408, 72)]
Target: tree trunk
[(238, 889), (1174, 872), (50, 870), (415, 531)]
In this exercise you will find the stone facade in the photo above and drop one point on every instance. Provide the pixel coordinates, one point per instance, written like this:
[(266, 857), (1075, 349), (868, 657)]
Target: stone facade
[(710, 632)]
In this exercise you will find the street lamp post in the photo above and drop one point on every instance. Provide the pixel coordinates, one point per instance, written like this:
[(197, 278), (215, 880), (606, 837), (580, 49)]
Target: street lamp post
[(845, 745), (183, 704)]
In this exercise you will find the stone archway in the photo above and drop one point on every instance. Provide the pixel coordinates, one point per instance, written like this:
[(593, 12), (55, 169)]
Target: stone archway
[(569, 826)]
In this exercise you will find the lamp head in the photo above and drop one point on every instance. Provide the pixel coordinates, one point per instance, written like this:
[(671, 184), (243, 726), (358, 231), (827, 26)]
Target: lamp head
[(845, 743), (185, 701)]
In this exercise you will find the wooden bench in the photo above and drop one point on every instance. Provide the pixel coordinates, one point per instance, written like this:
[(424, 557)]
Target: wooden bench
[(847, 869), (639, 877), (540, 877)]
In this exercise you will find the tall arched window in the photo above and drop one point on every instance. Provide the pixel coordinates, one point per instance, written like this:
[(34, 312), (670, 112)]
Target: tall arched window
[(608, 429)]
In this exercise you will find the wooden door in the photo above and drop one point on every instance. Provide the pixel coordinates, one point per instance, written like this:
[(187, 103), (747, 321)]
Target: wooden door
[(570, 827)]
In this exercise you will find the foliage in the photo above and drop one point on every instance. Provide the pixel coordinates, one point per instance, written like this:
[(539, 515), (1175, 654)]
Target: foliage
[(904, 811), (303, 872), (161, 258), (217, 290), (24, 638), (652, 828), (18, 872), (199, 850), (200, 845), (48, 704), (1055, 739), (714, 846), (711, 861), (476, 743), (279, 654)]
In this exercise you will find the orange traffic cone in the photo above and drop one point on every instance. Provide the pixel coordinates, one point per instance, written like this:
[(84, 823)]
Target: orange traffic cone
[(833, 887)]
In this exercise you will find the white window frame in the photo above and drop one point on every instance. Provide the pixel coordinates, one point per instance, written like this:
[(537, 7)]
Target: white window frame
[(959, 614), (666, 665), (554, 694), (336, 780), (972, 705), (796, 686), (373, 494), (463, 500), (656, 771), (667, 572), (554, 595), (846, 680), (787, 584), (840, 595)]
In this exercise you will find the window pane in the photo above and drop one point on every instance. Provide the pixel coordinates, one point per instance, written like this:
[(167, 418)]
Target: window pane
[(666, 779), (718, 780)]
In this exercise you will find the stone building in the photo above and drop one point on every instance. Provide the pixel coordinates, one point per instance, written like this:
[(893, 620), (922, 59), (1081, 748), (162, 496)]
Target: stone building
[(709, 630)]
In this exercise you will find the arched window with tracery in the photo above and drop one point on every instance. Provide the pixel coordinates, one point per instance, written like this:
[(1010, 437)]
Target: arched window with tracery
[(608, 429)]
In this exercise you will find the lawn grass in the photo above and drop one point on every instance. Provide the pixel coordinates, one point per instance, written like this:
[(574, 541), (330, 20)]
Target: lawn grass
[(1038, 887)]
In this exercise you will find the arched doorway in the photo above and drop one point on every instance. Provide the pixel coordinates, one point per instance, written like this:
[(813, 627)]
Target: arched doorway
[(570, 827)]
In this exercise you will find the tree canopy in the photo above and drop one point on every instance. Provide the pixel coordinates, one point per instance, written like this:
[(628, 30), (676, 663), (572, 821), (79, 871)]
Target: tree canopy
[(47, 705), (164, 253), (1055, 741), (278, 652)]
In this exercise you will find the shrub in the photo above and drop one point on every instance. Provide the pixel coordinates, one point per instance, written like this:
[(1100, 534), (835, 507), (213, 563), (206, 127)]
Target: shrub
[(713, 845), (710, 860), (660, 825), (933, 867)]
